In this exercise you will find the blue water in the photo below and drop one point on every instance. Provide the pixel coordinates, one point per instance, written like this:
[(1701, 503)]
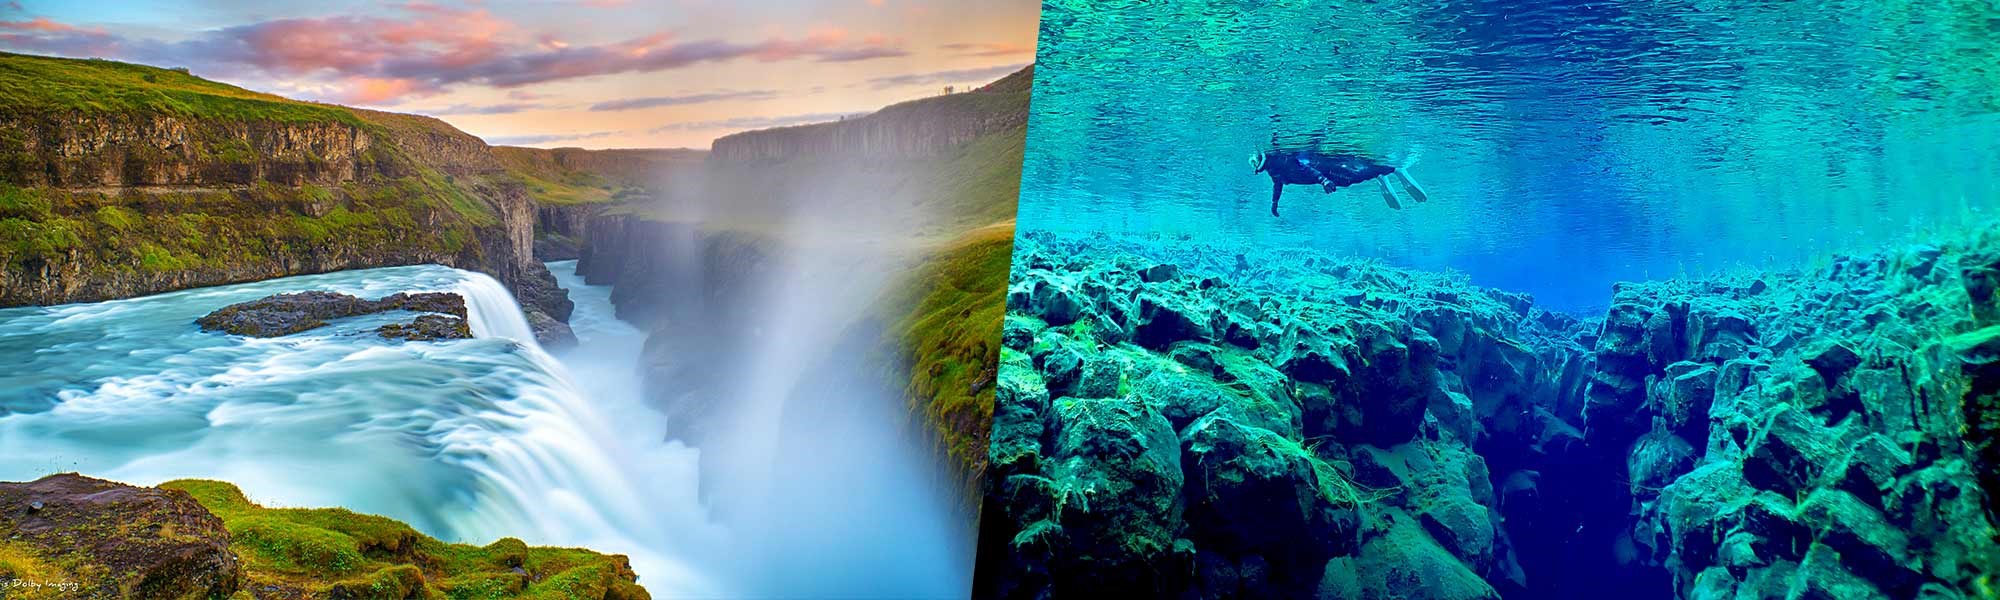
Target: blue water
[(467, 440), (1565, 145)]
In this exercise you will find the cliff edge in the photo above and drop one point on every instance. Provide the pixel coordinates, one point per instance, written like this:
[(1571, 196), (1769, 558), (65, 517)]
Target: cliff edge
[(120, 180)]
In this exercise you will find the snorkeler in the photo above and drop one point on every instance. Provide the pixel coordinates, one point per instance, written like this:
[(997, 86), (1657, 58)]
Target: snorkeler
[(1331, 172)]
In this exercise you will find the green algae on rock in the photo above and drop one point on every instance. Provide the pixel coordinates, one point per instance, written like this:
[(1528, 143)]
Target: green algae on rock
[(1347, 429), (70, 536)]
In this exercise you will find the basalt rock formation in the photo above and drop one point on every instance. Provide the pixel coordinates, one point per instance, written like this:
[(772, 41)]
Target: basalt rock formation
[(165, 181), (1190, 422), (571, 186), (69, 536), (286, 314)]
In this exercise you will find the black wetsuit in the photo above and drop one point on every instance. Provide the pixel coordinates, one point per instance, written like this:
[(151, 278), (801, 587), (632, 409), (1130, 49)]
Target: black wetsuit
[(1329, 171)]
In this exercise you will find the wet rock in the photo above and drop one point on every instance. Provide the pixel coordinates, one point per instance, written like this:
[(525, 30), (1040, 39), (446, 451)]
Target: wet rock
[(1833, 361), (537, 290), (114, 541), (1253, 493), (1829, 433), (1656, 460), (1020, 415), (436, 302), (1404, 564), (1792, 453), (1060, 360), (550, 333), (1460, 526), (1117, 477), (1862, 541), (427, 328), (1018, 332), (286, 314), (1163, 321), (1179, 396)]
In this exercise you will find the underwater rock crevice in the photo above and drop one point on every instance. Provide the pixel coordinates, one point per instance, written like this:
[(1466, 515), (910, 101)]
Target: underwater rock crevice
[(1343, 426)]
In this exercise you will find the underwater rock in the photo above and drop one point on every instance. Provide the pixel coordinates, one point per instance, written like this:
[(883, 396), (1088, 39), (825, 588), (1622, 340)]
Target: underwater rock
[(1117, 479), (1406, 564), (83, 537), (1826, 433), (1834, 361), (1254, 493), (286, 314)]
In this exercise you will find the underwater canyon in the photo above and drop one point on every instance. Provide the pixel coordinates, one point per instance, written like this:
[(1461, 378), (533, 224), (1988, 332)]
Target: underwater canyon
[(1182, 420)]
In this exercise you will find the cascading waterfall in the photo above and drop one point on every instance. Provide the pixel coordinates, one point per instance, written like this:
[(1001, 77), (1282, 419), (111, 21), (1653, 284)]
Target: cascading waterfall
[(468, 440), (490, 310)]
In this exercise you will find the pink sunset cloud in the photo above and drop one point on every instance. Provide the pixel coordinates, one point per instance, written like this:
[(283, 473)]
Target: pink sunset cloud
[(431, 48)]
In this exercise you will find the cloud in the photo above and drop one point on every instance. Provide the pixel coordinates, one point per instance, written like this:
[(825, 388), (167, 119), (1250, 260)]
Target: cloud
[(979, 75), (658, 101), (38, 24), (425, 50), (530, 140), (990, 49), (484, 109), (755, 122)]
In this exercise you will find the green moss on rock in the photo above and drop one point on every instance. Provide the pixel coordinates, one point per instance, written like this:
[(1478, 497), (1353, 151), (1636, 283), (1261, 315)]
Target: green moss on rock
[(339, 553)]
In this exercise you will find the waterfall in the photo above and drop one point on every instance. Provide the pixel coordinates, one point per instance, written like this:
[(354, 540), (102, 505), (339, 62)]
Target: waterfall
[(492, 312), (466, 440)]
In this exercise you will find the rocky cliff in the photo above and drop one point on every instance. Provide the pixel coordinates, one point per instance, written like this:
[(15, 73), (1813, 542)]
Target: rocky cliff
[(1192, 422), (915, 129), (69, 536), (570, 186), (119, 180)]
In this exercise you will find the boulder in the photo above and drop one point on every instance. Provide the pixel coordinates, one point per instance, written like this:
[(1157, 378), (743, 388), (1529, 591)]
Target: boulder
[(1254, 493), (428, 328), (1403, 563), (1117, 479), (112, 540)]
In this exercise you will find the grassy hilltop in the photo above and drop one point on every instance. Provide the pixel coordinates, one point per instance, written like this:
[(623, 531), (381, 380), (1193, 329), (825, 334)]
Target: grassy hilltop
[(80, 537)]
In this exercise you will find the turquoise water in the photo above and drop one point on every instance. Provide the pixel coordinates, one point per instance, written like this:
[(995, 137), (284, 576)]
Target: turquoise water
[(467, 440), (1564, 145)]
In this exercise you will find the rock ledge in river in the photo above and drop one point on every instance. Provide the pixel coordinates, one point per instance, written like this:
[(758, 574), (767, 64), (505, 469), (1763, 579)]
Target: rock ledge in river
[(286, 314)]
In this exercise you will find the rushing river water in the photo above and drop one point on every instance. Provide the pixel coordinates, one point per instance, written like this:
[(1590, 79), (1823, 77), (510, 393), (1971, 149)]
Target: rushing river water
[(467, 440)]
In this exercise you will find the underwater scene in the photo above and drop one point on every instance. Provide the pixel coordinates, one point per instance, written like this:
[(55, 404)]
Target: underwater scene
[(1462, 300)]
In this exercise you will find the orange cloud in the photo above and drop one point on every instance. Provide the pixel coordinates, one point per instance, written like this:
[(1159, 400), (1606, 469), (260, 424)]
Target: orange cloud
[(42, 24)]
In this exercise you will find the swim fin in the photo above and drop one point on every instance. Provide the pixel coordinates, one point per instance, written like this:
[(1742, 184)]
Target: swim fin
[(1410, 186), (1388, 194)]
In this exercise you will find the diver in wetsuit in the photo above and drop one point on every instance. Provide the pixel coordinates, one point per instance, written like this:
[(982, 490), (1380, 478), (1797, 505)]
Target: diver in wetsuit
[(1331, 172)]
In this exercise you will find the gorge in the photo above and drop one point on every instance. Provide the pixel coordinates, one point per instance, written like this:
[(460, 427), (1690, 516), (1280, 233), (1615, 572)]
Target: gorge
[(731, 360)]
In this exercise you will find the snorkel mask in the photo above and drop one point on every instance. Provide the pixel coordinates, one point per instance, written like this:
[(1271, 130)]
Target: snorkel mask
[(1257, 162)]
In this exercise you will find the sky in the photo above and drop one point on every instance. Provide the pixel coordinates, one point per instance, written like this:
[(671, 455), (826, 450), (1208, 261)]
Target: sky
[(586, 73)]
